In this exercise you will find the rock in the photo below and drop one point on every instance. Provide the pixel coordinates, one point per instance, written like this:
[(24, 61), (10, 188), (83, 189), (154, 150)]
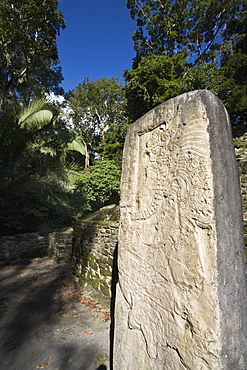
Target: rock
[(181, 299)]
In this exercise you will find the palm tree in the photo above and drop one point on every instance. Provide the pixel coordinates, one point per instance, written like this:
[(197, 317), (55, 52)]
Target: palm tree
[(33, 172)]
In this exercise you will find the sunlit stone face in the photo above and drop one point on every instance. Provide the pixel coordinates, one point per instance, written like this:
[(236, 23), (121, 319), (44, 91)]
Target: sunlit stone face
[(168, 240)]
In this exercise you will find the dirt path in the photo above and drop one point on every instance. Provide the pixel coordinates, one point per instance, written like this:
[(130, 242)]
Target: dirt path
[(46, 322)]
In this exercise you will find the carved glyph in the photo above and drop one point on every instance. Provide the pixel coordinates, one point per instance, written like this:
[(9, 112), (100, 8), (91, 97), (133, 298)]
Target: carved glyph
[(168, 239)]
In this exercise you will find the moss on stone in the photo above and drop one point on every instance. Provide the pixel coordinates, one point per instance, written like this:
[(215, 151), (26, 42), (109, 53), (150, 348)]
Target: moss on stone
[(95, 282), (107, 272), (105, 290), (92, 261)]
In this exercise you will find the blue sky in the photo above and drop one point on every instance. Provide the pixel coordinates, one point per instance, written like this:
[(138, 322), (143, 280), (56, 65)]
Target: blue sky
[(97, 41)]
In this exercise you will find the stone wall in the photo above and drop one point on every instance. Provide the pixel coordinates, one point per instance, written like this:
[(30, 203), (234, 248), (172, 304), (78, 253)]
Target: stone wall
[(60, 245), (23, 246), (94, 244), (56, 245), (240, 144), (88, 248)]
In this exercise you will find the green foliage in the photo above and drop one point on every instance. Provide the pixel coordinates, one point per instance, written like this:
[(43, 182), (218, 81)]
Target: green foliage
[(156, 79), (35, 116), (203, 76), (235, 35), (99, 117), (233, 91), (113, 144), (97, 106), (211, 35), (168, 26), (98, 186), (77, 145), (30, 203), (33, 178), (28, 50), (19, 129)]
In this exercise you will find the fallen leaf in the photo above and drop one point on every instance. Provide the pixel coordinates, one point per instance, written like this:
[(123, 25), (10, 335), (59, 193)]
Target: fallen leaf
[(79, 323), (63, 338), (73, 311), (30, 353), (63, 315), (42, 366), (70, 360), (75, 315), (88, 333), (49, 357)]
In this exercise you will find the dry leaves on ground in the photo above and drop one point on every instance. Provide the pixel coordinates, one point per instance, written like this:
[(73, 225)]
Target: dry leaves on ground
[(68, 290), (42, 365)]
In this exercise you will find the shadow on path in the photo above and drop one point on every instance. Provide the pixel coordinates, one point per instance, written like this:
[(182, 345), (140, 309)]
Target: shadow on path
[(46, 320)]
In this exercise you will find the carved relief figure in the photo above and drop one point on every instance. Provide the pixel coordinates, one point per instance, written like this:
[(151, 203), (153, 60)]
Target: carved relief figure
[(181, 296), (173, 191)]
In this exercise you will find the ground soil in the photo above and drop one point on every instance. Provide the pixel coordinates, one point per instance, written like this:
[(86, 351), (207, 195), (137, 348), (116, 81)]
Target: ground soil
[(46, 320)]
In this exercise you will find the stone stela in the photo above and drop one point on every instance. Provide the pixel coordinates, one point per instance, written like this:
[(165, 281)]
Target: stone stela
[(181, 295)]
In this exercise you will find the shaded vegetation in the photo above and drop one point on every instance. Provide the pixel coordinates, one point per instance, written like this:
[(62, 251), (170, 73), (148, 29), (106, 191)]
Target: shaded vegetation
[(60, 161), (97, 186)]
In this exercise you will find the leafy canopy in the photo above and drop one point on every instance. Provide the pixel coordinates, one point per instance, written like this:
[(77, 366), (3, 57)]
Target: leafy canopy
[(170, 26), (98, 107), (28, 50), (153, 81), (210, 34)]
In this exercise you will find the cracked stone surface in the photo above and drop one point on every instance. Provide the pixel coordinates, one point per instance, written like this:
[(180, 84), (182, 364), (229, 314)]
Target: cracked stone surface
[(181, 296)]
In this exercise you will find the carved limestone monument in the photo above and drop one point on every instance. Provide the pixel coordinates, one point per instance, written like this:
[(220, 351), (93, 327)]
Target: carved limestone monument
[(181, 295)]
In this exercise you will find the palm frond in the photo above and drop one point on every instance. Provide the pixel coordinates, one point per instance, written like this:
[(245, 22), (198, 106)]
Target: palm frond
[(36, 115), (78, 145)]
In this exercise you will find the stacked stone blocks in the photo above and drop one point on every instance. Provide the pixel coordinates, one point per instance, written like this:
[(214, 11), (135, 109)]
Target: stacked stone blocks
[(94, 243)]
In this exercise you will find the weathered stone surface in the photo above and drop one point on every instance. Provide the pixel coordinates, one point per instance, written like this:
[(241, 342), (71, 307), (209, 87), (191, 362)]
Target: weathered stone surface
[(240, 144), (92, 256), (23, 246), (181, 296), (60, 245)]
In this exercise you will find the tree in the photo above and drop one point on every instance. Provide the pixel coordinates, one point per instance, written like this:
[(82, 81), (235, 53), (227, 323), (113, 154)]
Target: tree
[(233, 90), (114, 141), (97, 106), (235, 35), (34, 168), (24, 169), (203, 76), (98, 186), (28, 50), (153, 81), (234, 65), (227, 78), (168, 26), (99, 116), (214, 36)]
